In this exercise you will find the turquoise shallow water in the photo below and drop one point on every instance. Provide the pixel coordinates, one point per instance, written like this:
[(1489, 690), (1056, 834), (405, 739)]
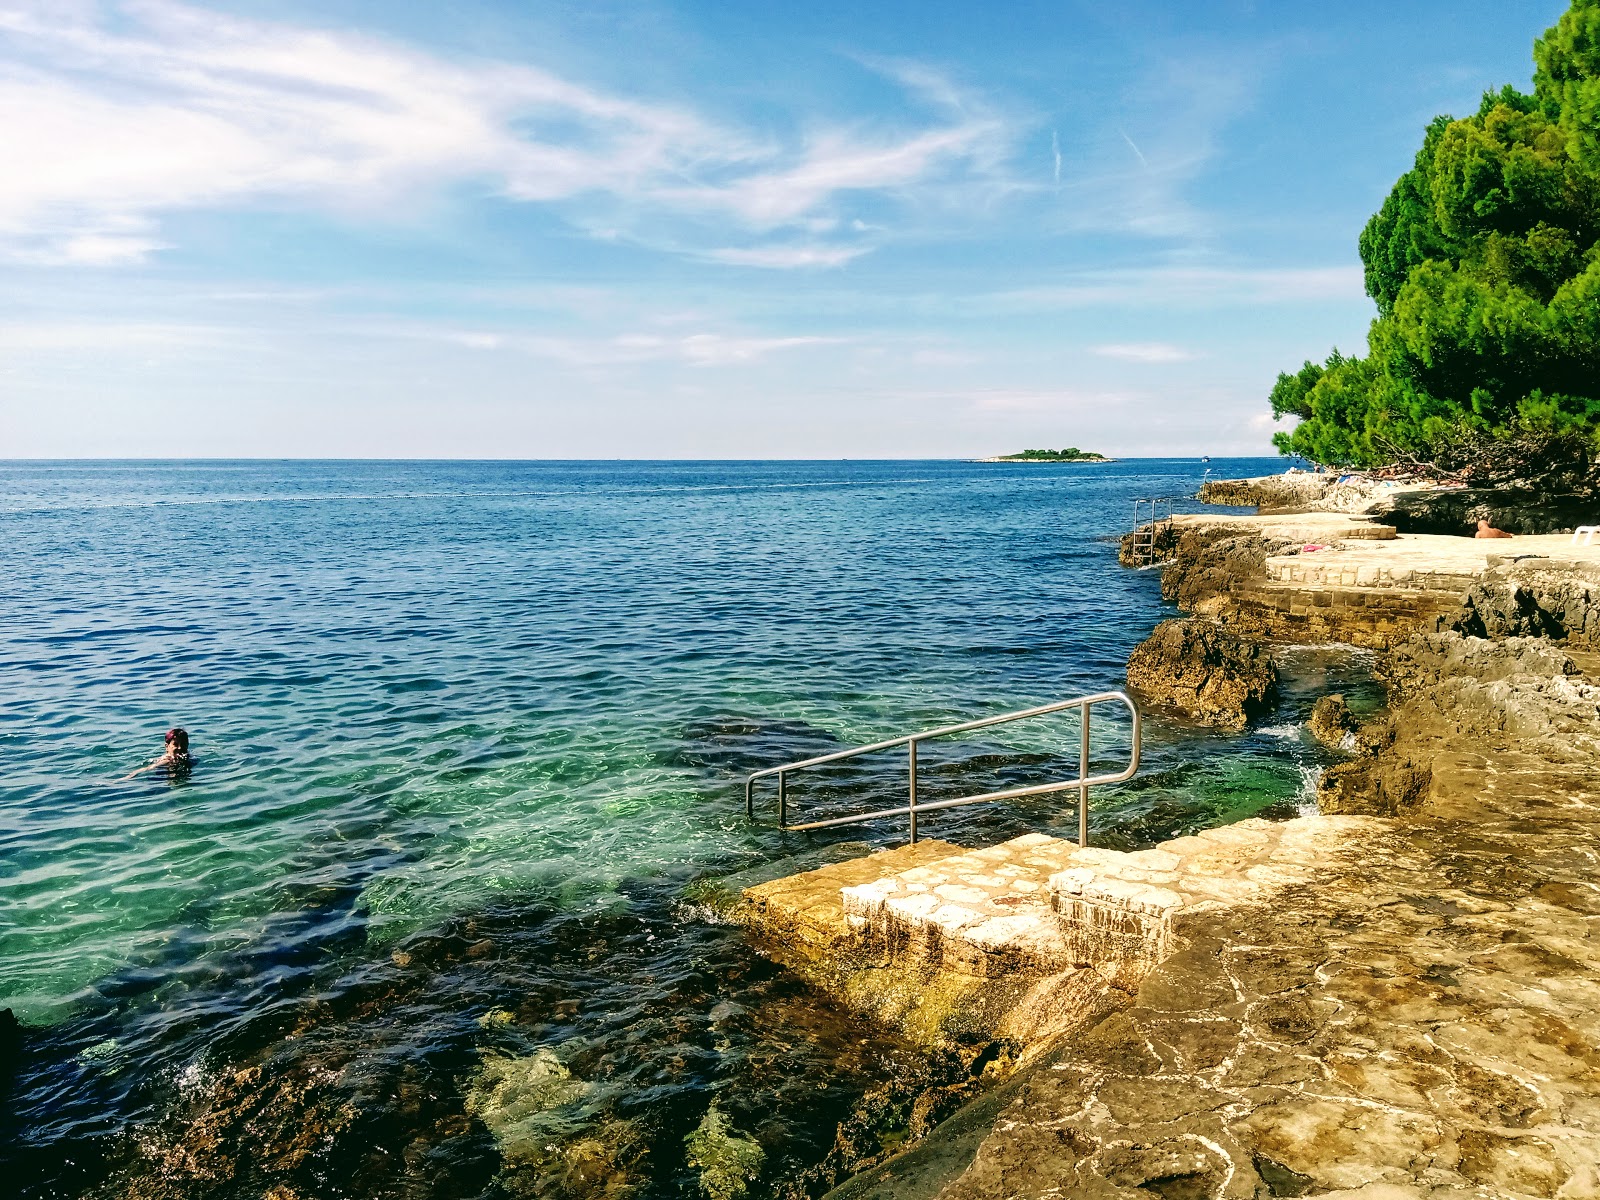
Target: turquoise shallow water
[(428, 689)]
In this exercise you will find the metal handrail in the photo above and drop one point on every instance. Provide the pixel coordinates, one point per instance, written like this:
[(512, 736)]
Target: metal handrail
[(1083, 783), (1155, 503)]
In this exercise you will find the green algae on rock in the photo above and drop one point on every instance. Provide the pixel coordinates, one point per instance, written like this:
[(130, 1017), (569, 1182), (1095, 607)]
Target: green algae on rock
[(513, 1096), (728, 1162)]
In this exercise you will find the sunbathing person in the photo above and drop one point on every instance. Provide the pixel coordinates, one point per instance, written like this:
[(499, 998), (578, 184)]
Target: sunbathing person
[(1486, 530)]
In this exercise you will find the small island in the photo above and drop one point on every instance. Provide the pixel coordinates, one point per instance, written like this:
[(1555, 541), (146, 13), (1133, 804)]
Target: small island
[(1071, 455)]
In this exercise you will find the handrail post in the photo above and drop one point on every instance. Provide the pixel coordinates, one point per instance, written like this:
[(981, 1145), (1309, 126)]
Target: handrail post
[(912, 802), (783, 800), (750, 799), (1083, 774)]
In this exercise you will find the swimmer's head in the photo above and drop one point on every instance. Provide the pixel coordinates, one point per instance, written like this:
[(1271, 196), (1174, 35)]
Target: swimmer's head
[(178, 739)]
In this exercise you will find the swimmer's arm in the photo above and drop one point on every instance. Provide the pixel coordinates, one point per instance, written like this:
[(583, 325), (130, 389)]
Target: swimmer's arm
[(164, 760)]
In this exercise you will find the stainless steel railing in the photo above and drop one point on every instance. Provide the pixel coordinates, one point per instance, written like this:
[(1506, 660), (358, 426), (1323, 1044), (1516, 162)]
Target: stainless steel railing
[(1154, 506), (912, 808)]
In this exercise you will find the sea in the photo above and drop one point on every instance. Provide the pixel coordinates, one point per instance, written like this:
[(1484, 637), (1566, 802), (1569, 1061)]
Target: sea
[(469, 739)]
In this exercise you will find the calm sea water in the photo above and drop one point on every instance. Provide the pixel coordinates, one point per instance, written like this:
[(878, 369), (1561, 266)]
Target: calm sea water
[(522, 694)]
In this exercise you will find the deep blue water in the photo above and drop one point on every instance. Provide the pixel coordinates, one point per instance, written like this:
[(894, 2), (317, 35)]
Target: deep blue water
[(428, 694)]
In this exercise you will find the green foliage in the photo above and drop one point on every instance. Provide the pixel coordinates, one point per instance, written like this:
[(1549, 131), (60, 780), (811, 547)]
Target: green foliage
[(1070, 454), (1484, 264)]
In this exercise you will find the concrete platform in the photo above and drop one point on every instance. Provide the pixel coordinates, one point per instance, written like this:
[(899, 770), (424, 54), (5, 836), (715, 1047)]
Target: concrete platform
[(1034, 912), (1422, 561), (981, 912), (806, 910)]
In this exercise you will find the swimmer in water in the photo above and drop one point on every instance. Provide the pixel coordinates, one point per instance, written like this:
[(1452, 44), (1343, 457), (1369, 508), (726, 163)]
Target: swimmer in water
[(175, 761)]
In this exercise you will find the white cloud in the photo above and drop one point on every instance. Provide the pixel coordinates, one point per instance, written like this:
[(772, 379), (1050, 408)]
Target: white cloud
[(700, 349), (1180, 285), (1047, 401), (90, 336), (1145, 352), (118, 115), (789, 257), (1266, 423)]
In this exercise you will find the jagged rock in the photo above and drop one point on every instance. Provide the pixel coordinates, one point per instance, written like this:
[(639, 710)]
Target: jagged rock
[(1270, 493), (1522, 692), (1514, 510), (1206, 671), (1162, 545), (1332, 721), (1504, 611), (1380, 786), (1208, 563), (1431, 658), (1531, 602)]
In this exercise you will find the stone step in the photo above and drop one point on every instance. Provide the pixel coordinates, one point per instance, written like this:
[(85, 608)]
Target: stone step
[(1121, 906), (806, 909), (984, 912), (1040, 905)]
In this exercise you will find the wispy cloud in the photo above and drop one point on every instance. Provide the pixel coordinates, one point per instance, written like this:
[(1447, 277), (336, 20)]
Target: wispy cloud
[(700, 349), (117, 115), (789, 257), (1178, 286), (1046, 401), (1145, 352), (1137, 153)]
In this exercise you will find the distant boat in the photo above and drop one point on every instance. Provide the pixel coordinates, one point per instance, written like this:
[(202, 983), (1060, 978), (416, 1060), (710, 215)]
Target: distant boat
[(1205, 458)]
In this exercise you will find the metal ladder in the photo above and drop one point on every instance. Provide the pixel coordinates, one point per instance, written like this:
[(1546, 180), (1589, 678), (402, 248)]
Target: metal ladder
[(1142, 544), (912, 808)]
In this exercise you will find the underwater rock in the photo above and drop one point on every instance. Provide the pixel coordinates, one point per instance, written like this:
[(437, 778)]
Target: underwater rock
[(512, 1095), (728, 1163), (1206, 671), (601, 1164), (1332, 721)]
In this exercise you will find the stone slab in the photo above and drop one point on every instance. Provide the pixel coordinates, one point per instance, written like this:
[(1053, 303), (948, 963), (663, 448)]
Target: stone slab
[(982, 912), (806, 908)]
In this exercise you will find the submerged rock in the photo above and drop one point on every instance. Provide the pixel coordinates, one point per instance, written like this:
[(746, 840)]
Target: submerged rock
[(1206, 671), (728, 1163), (1332, 723), (513, 1095)]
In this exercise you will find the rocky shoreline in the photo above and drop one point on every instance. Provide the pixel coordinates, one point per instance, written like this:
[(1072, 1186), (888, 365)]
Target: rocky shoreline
[(1393, 998), (1413, 1013)]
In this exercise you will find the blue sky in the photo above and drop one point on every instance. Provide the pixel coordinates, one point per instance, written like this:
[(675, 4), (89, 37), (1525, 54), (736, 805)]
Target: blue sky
[(590, 230)]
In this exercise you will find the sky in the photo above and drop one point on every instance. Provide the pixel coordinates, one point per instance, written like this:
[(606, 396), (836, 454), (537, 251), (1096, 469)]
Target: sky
[(741, 229)]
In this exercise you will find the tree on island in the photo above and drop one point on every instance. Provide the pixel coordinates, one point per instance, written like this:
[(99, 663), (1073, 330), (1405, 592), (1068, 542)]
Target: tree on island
[(1484, 263), (1070, 454)]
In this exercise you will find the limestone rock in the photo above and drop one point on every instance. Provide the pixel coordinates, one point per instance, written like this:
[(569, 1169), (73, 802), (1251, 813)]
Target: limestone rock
[(1429, 659), (1332, 722), (1209, 563), (1538, 600), (1206, 671), (1381, 786)]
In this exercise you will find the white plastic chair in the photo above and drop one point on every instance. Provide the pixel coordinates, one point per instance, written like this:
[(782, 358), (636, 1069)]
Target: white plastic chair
[(1586, 532)]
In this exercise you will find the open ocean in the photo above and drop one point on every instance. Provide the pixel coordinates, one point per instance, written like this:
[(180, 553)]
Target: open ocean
[(463, 733)]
